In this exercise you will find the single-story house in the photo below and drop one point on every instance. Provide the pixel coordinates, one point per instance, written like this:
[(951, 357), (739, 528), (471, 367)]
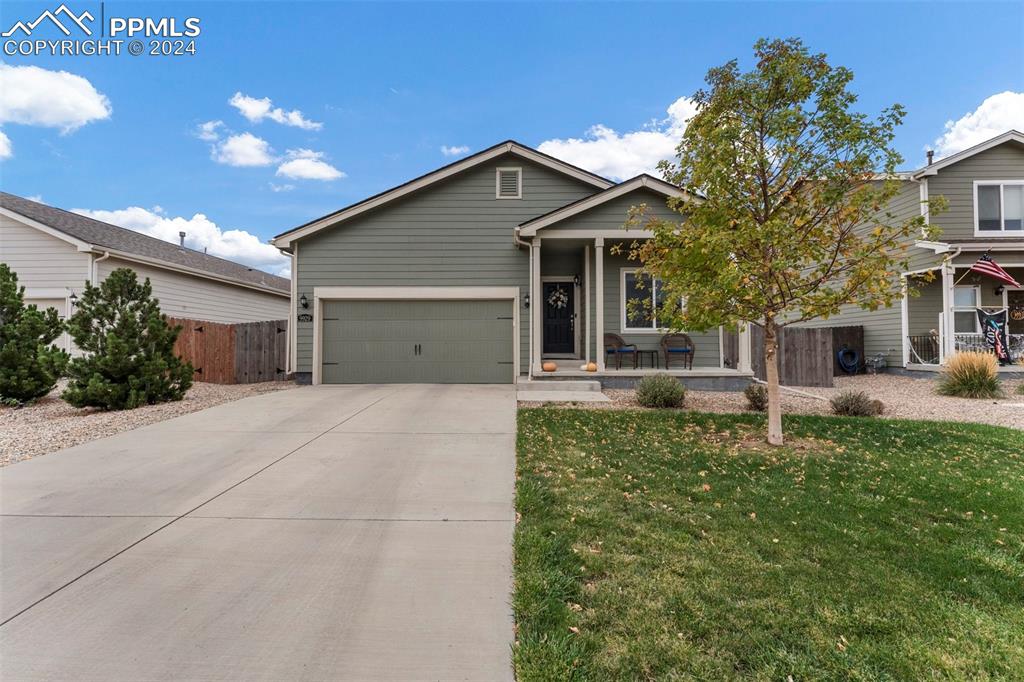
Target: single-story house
[(481, 271), (55, 252)]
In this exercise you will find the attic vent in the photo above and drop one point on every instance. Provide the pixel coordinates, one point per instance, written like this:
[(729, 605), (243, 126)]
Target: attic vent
[(509, 183)]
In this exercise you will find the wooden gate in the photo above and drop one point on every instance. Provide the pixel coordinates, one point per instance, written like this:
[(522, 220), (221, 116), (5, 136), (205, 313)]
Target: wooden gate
[(807, 355), (242, 353)]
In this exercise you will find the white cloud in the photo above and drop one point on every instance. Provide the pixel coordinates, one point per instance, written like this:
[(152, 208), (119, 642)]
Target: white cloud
[(457, 150), (5, 146), (38, 198), (258, 109), (53, 99), (244, 149), (209, 131), (996, 115), (200, 233), (624, 155), (281, 188), (306, 164)]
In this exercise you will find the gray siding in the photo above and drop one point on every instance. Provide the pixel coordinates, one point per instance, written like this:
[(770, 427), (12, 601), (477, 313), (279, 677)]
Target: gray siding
[(41, 261), (883, 327), (198, 298), (612, 216), (923, 310), (956, 183), (453, 233)]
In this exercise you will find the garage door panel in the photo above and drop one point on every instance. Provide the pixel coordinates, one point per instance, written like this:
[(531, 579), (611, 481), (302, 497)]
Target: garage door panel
[(459, 341)]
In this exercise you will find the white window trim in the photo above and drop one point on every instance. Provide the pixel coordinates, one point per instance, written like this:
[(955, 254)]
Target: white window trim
[(963, 309), (623, 329), (519, 181), (1002, 213)]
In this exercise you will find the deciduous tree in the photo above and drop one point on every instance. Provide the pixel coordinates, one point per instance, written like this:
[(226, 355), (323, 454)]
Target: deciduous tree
[(794, 222)]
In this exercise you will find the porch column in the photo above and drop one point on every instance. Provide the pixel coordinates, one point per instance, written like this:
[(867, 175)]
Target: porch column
[(947, 346), (586, 302), (743, 362), (905, 320), (599, 302), (536, 307)]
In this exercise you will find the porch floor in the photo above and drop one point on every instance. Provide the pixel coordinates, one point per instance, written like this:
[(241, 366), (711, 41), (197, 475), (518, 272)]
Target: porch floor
[(630, 372)]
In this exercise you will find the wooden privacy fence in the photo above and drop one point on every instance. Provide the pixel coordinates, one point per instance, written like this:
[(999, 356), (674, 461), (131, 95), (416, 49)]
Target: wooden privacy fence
[(242, 353), (807, 355)]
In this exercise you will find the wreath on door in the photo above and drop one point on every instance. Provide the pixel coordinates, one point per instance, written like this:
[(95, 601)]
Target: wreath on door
[(558, 299)]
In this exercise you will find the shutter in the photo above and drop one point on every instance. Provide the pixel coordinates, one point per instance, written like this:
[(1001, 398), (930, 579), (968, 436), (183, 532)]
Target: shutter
[(508, 183)]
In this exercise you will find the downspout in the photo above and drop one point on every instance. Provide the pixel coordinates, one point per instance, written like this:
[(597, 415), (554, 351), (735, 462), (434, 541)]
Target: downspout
[(93, 276), (520, 243)]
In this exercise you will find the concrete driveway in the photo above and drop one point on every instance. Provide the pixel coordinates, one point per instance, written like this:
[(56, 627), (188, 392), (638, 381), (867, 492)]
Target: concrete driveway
[(359, 532)]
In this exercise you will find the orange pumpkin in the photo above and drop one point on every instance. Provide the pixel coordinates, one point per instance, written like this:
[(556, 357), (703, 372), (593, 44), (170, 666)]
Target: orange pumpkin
[(549, 366), (591, 366)]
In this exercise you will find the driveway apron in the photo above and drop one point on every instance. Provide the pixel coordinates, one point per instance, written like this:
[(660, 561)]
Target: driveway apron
[(356, 532)]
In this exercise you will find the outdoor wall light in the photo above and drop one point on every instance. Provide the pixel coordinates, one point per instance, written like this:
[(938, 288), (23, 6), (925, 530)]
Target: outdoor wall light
[(999, 290), (304, 302), (73, 299), (526, 300), (576, 280)]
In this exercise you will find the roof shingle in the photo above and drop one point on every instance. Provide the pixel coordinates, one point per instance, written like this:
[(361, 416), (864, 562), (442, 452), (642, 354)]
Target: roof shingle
[(105, 235)]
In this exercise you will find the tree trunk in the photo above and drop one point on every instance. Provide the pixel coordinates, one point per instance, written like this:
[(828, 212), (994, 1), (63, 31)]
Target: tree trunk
[(771, 370)]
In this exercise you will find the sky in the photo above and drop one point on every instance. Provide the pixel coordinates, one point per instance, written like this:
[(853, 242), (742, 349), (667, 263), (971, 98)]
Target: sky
[(288, 111)]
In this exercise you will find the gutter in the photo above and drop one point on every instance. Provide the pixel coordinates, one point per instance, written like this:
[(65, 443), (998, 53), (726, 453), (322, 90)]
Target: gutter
[(519, 241)]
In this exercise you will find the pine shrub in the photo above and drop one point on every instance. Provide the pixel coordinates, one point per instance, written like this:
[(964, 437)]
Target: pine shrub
[(972, 374), (29, 364), (660, 390), (128, 348), (757, 397), (856, 404)]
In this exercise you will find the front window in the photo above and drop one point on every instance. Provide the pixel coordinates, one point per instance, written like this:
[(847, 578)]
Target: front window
[(965, 303), (1000, 206), (642, 299)]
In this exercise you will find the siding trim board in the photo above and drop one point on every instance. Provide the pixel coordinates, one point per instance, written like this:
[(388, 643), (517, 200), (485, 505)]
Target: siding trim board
[(407, 293)]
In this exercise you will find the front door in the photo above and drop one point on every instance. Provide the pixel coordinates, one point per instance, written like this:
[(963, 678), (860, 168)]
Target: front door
[(559, 318), (1015, 306)]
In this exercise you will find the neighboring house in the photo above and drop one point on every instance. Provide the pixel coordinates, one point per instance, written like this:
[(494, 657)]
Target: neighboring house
[(54, 252), (984, 186), (479, 272)]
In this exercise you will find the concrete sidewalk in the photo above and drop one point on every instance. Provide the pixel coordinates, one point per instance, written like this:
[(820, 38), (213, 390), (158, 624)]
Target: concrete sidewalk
[(356, 532)]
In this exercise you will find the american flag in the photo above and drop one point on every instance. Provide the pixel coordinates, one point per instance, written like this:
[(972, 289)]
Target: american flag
[(987, 266)]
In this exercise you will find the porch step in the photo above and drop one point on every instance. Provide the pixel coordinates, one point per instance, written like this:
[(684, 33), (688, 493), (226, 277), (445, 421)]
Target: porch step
[(558, 385), (562, 397)]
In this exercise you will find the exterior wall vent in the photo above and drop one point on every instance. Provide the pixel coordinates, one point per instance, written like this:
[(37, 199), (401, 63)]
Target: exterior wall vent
[(509, 183)]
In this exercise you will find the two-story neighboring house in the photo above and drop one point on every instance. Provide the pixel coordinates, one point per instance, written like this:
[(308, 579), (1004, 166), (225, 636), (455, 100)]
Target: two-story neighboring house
[(984, 188)]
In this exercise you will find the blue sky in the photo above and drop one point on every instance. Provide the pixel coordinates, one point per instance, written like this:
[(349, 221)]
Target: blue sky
[(393, 83)]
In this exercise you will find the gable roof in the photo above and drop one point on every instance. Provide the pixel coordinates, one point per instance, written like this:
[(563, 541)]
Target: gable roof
[(284, 240), (933, 169), (643, 181), (94, 235)]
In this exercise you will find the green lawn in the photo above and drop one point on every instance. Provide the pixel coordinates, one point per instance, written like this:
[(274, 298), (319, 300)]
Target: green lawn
[(672, 545)]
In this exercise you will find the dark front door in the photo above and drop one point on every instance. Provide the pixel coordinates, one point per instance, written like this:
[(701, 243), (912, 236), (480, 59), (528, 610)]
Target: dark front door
[(559, 311), (1015, 305)]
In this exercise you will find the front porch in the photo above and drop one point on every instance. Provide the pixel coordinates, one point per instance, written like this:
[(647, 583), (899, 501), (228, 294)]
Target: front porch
[(943, 319), (580, 288)]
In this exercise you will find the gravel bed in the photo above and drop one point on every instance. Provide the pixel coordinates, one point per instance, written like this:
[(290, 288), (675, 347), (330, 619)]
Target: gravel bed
[(903, 397), (50, 424)]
